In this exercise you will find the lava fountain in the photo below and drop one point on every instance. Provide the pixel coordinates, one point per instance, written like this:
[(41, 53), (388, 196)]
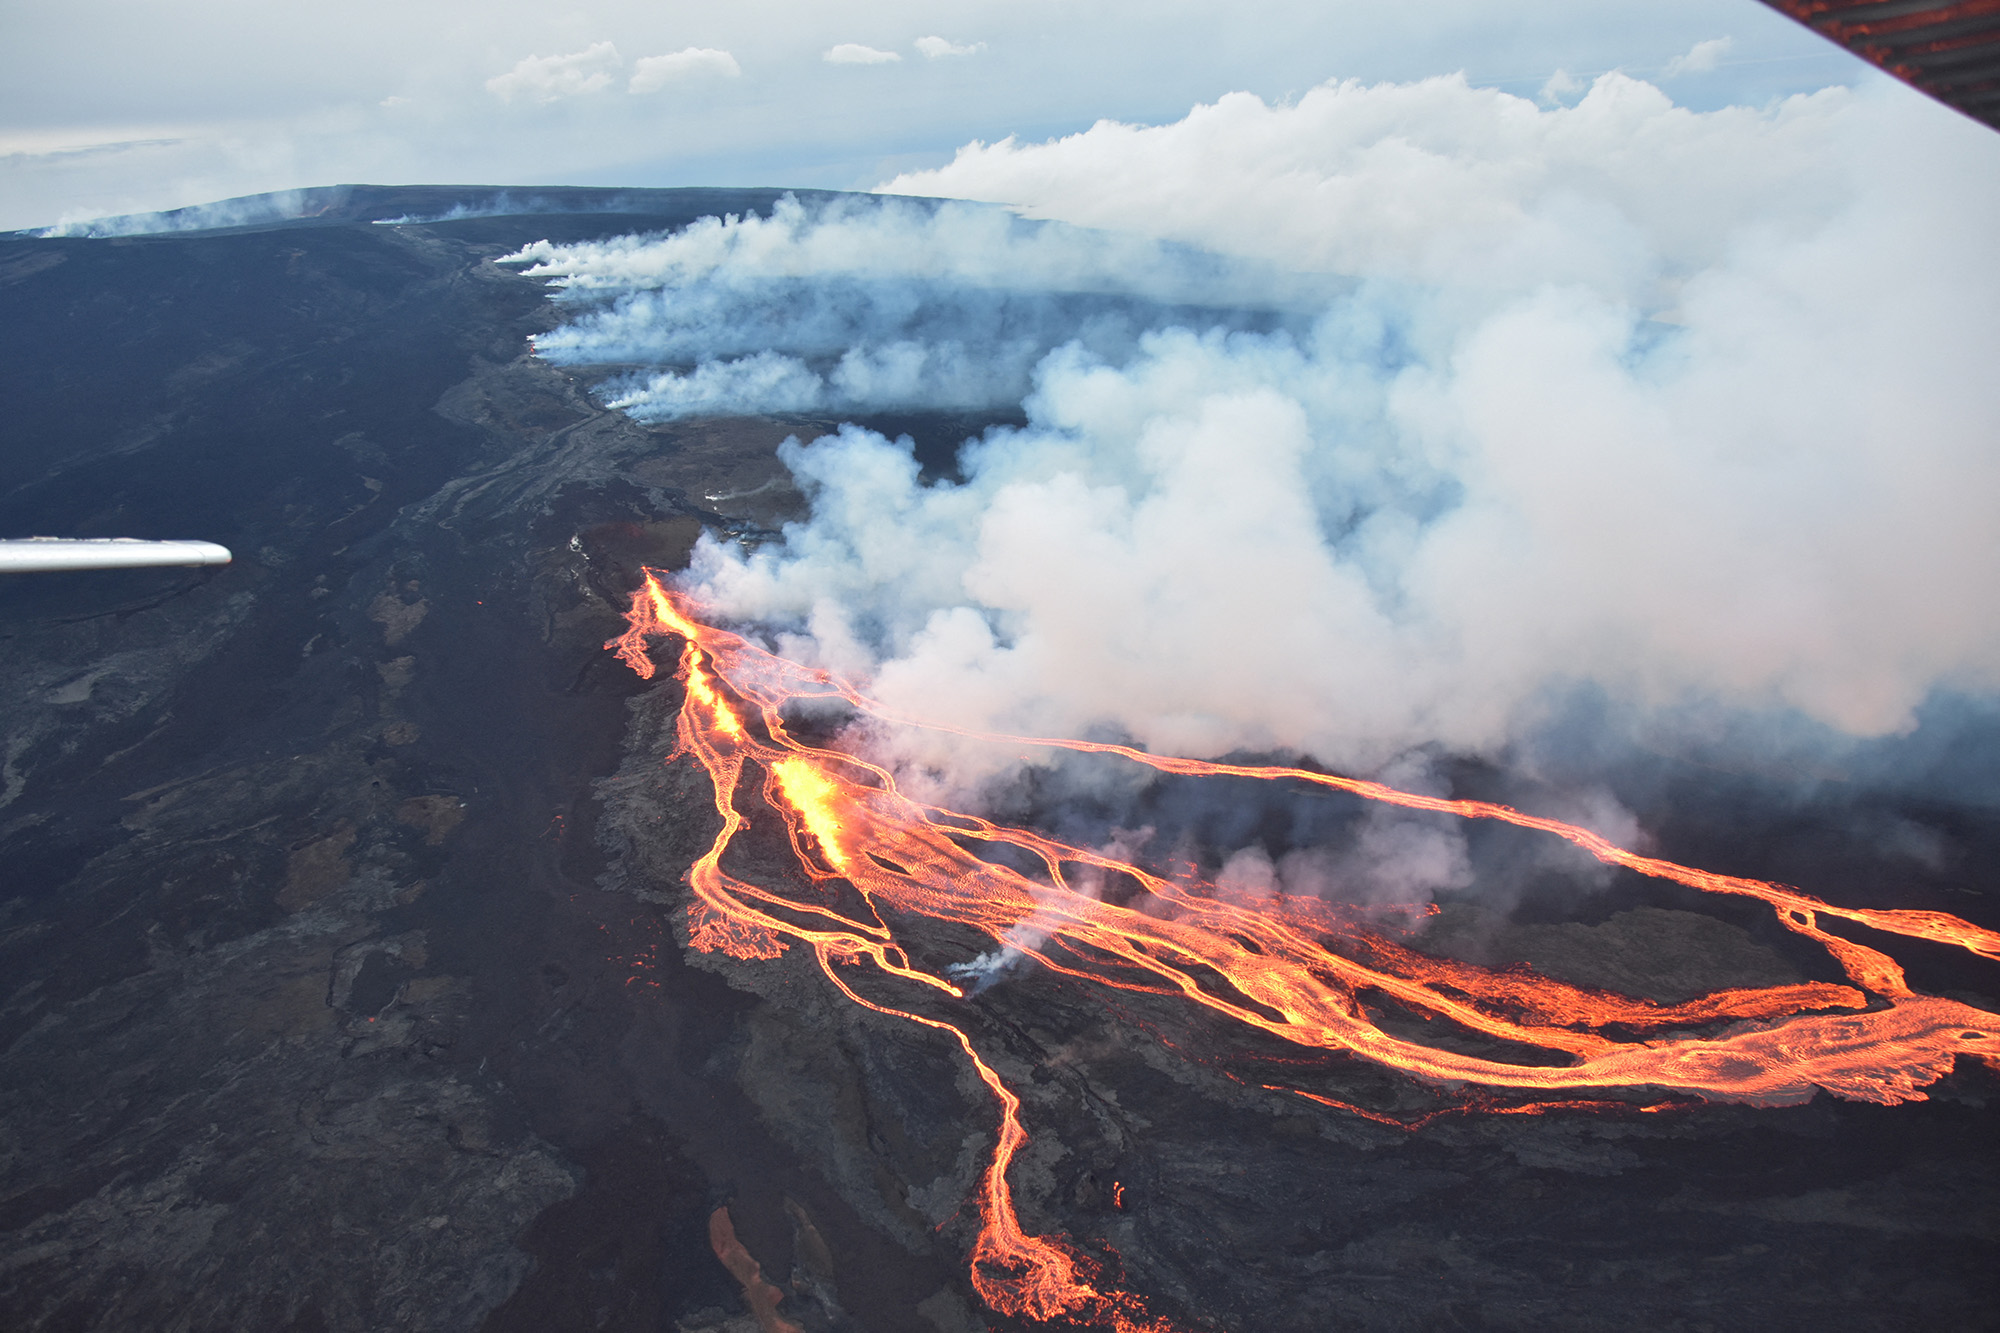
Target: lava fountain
[(1295, 968)]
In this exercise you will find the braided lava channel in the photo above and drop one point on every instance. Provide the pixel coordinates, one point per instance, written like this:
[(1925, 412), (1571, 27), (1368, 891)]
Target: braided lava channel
[(1272, 966)]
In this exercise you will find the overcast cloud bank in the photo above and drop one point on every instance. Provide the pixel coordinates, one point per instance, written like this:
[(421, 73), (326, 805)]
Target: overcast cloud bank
[(1694, 409), (140, 107)]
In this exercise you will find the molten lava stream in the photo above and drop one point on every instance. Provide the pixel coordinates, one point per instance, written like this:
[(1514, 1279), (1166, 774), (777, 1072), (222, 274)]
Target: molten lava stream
[(1291, 968)]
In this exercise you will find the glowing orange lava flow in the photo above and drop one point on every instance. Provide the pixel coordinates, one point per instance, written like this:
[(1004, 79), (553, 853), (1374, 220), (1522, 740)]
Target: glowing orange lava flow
[(1294, 968)]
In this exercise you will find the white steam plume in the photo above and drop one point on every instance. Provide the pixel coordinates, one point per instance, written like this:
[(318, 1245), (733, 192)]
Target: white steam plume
[(251, 210), (865, 305), (1693, 409)]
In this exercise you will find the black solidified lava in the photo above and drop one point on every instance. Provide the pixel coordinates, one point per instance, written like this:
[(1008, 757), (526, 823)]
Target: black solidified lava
[(342, 970)]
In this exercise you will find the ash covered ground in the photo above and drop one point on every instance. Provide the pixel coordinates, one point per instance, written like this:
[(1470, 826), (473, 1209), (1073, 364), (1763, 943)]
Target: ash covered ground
[(342, 980)]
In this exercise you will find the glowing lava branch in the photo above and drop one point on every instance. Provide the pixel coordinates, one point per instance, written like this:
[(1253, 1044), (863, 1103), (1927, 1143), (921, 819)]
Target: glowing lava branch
[(1012, 1270), (1293, 968)]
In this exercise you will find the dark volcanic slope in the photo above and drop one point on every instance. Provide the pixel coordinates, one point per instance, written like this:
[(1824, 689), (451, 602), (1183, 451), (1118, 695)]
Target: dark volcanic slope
[(340, 983), (313, 1013)]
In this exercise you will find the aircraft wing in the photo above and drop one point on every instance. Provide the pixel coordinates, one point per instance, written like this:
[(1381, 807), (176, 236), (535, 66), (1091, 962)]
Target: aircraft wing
[(1948, 48), (34, 554)]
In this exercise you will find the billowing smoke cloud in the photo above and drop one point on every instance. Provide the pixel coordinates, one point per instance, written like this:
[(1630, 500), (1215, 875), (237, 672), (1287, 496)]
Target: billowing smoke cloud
[(1691, 410), (1389, 855), (875, 306)]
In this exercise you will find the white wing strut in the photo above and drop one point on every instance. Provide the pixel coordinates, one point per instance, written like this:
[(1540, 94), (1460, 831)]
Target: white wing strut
[(46, 553)]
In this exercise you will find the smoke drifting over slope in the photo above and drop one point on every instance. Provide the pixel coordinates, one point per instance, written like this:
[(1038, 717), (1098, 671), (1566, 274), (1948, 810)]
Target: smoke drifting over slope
[(253, 210), (866, 306), (1694, 410)]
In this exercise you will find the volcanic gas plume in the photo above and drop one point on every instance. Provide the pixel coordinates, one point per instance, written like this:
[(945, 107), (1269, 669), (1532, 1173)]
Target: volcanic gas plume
[(1462, 408), (874, 864)]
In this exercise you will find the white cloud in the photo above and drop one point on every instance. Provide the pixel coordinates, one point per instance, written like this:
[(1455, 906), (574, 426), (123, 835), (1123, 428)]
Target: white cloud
[(43, 150), (935, 47), (652, 73), (1561, 87), (853, 53), (545, 79), (1701, 58)]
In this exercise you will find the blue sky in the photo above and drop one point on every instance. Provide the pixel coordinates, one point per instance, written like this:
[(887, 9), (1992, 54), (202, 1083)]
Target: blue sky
[(124, 105)]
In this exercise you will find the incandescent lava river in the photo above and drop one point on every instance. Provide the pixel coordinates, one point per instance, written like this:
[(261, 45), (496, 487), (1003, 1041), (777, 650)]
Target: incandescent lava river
[(1293, 967)]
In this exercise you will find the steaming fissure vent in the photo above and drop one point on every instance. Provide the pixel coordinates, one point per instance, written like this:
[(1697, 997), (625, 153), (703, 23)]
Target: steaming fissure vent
[(1951, 51)]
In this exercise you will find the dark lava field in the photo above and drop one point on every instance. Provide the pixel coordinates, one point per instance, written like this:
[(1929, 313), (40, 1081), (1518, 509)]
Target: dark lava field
[(342, 969)]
